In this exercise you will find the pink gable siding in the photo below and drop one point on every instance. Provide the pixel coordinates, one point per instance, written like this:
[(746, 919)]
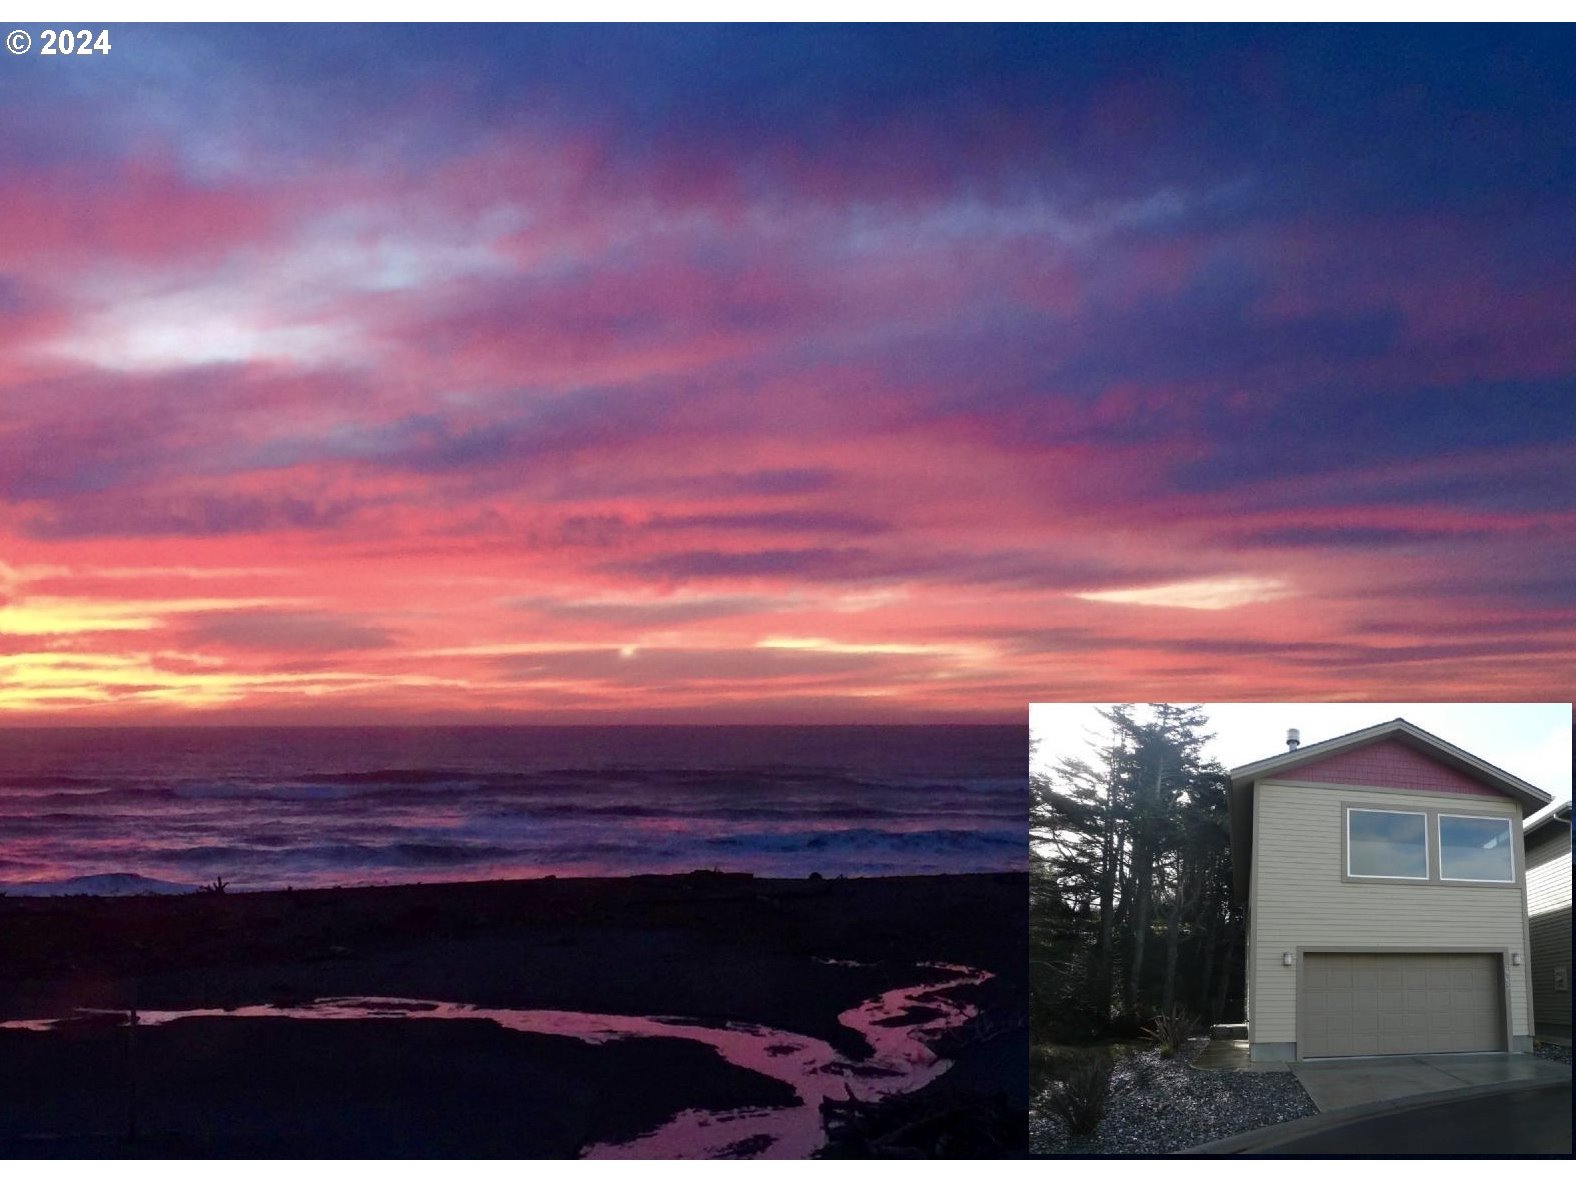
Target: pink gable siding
[(1390, 764)]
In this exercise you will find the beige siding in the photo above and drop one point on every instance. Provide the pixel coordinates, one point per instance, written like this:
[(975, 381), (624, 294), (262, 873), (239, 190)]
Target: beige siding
[(1549, 904), (1302, 903), (1549, 869)]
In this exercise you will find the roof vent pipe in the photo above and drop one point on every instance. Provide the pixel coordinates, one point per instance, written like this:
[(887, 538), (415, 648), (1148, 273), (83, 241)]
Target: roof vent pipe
[(1293, 739)]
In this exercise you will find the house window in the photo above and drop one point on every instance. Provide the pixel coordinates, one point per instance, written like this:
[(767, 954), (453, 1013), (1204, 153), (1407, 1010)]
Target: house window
[(1381, 844), (1475, 849)]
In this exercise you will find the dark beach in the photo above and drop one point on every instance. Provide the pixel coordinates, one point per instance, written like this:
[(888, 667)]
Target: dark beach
[(708, 949)]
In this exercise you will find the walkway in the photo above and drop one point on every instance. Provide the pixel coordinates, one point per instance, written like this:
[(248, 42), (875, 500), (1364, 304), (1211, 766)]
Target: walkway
[(1231, 1054), (1342, 1083)]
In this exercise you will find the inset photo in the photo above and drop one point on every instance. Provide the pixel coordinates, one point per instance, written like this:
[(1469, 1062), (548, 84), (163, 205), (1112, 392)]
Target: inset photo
[(1302, 928)]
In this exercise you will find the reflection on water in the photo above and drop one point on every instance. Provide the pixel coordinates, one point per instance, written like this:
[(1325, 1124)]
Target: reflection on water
[(899, 1026)]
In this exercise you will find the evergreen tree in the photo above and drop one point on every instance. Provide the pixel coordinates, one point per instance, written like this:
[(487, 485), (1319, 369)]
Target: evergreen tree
[(1132, 909)]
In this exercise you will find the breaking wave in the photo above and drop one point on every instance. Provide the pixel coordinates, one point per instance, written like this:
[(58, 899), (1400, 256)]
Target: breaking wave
[(307, 807)]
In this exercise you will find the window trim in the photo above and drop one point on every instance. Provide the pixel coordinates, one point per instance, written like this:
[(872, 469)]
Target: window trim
[(1510, 848), (1429, 806), (1426, 876)]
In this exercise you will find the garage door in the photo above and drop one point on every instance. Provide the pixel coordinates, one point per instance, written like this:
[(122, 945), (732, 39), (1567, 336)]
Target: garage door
[(1397, 1003)]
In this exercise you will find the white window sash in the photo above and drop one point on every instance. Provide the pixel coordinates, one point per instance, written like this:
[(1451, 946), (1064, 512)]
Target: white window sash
[(1350, 873), (1509, 849)]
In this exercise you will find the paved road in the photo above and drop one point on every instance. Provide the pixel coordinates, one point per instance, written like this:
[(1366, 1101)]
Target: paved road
[(1535, 1120)]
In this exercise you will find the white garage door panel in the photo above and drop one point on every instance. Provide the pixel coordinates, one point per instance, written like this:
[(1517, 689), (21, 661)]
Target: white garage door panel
[(1394, 1003)]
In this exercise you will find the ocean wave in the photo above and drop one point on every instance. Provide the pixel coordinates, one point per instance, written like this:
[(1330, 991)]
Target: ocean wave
[(35, 782), (14, 823), (241, 791), (624, 789), (320, 807), (937, 840), (85, 797)]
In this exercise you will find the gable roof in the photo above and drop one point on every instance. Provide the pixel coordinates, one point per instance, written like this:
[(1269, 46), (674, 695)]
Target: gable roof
[(1285, 765), (1413, 736)]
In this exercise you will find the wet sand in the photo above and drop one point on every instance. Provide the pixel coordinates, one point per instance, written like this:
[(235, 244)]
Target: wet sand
[(791, 956)]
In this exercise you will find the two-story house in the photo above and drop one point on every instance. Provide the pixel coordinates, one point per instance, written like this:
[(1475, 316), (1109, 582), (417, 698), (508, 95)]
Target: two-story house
[(1548, 840), (1386, 888)]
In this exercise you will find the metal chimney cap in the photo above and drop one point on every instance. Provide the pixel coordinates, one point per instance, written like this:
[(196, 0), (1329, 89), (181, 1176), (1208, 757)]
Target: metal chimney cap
[(1293, 738)]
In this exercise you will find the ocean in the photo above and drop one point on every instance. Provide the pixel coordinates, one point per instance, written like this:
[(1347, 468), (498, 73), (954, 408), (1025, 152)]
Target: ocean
[(131, 809)]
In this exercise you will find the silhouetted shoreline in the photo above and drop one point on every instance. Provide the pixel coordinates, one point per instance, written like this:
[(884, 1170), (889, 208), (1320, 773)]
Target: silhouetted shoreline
[(711, 949)]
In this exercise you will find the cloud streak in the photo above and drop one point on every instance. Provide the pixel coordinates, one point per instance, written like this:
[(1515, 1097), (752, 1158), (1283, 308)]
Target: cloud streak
[(814, 373)]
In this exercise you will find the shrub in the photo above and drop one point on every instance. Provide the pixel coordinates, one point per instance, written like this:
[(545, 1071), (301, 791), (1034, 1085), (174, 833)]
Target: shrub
[(1132, 1023), (1079, 1096), (1044, 1067), (1171, 1030), (217, 887)]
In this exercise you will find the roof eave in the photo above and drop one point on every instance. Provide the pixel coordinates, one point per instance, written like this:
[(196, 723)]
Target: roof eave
[(1545, 817), (1464, 761)]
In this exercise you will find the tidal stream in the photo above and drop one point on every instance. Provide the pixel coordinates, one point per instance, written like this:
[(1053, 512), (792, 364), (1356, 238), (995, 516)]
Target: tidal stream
[(900, 1027)]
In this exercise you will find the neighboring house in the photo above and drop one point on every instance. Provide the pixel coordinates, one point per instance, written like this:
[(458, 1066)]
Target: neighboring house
[(1385, 883), (1548, 840)]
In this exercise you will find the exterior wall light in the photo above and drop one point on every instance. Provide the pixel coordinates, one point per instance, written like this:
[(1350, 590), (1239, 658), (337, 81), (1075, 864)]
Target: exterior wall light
[(1287, 958), (1515, 958)]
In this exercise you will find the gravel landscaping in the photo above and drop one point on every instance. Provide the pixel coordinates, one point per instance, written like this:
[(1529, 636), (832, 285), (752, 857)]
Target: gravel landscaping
[(1162, 1105), (1552, 1052)]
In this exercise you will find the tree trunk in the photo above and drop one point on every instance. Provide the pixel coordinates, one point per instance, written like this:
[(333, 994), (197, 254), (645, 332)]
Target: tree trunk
[(1142, 869), (1226, 963), (1143, 873), (1108, 873), (1123, 918), (1173, 930), (1206, 978)]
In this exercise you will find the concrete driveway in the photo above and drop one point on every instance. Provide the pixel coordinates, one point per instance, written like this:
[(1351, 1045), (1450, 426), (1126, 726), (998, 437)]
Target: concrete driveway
[(1344, 1083), (1523, 1117)]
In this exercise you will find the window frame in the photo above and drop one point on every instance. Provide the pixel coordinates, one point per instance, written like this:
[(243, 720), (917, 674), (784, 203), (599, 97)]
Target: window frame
[(1425, 877), (1510, 848), (1407, 802)]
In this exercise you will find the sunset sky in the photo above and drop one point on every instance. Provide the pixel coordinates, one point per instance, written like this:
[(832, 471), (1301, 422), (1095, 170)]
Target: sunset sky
[(783, 374)]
